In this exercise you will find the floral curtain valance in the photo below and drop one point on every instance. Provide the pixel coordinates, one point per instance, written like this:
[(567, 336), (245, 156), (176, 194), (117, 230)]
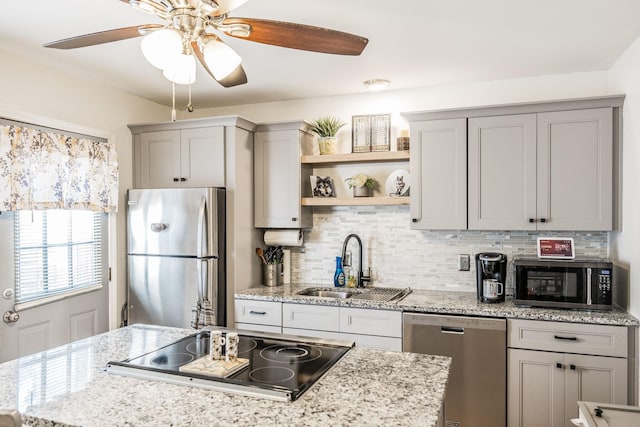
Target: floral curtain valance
[(43, 169)]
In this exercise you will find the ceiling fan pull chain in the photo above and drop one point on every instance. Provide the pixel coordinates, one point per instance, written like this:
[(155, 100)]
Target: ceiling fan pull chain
[(190, 105), (173, 105)]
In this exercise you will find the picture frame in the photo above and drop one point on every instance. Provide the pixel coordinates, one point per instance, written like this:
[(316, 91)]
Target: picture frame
[(556, 248), (322, 186), (371, 133), (381, 132), (360, 134)]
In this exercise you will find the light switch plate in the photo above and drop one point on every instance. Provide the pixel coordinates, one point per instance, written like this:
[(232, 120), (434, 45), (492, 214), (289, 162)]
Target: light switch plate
[(463, 262)]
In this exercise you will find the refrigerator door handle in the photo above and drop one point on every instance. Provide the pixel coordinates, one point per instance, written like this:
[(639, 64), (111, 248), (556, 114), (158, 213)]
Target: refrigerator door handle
[(202, 229)]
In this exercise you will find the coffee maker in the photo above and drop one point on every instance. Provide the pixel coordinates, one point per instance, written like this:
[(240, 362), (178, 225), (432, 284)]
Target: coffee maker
[(491, 272)]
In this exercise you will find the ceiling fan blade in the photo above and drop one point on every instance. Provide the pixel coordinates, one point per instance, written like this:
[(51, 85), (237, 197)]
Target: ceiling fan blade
[(103, 37), (298, 36), (235, 78)]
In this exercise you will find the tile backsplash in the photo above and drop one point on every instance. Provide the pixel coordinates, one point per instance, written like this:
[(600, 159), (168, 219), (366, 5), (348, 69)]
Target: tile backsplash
[(421, 259)]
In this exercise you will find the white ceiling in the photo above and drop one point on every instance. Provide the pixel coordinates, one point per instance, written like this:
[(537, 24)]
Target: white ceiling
[(413, 43)]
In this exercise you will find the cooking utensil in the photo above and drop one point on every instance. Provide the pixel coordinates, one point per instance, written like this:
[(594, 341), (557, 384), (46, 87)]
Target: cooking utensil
[(260, 253)]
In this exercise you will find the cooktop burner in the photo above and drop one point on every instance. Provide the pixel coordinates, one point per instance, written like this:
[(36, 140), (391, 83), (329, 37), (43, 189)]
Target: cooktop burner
[(280, 367)]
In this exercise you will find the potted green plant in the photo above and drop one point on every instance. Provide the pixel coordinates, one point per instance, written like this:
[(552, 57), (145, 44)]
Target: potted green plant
[(362, 185), (326, 128)]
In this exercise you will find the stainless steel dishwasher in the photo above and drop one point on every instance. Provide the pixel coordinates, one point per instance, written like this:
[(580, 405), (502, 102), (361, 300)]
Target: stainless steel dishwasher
[(476, 393)]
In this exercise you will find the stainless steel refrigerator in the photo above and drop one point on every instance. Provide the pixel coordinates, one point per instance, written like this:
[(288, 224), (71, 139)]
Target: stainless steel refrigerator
[(176, 244)]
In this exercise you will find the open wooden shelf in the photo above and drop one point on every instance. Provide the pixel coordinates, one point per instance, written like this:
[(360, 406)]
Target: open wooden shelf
[(353, 201), (374, 156)]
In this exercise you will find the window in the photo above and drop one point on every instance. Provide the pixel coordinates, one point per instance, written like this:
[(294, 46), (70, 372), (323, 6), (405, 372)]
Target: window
[(58, 252)]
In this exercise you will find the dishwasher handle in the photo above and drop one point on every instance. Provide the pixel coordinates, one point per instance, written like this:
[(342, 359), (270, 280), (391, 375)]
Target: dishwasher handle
[(452, 330)]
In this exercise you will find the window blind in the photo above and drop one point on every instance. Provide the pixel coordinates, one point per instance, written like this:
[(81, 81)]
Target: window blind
[(56, 251)]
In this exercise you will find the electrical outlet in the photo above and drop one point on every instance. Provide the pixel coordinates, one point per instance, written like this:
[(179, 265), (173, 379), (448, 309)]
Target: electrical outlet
[(463, 262)]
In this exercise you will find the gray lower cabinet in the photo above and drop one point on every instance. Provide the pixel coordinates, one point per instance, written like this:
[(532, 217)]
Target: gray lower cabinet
[(545, 386), (544, 171), (280, 180), (438, 165)]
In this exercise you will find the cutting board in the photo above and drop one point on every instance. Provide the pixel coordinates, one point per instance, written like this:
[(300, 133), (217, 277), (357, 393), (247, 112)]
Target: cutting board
[(214, 368)]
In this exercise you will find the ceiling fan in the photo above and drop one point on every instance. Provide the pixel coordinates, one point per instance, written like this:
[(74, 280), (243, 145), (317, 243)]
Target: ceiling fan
[(190, 32)]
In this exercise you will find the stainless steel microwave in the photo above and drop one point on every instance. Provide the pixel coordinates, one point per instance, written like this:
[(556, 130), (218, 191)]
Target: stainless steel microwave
[(579, 284)]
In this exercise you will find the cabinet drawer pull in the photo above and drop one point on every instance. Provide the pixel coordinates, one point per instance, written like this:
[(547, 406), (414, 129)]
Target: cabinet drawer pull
[(175, 180), (558, 337), (532, 220), (572, 367), (414, 219), (294, 219), (183, 179), (543, 219), (559, 365), (261, 313)]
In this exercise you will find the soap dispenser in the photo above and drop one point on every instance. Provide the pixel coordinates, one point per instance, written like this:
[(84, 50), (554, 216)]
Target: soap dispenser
[(338, 277)]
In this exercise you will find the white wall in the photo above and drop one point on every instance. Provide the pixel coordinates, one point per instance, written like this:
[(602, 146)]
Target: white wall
[(624, 77), (47, 97)]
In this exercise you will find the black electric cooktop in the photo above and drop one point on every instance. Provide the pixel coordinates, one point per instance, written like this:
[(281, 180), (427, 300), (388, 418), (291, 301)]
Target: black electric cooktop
[(280, 367)]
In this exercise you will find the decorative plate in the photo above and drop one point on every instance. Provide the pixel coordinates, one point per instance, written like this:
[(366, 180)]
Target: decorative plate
[(397, 184)]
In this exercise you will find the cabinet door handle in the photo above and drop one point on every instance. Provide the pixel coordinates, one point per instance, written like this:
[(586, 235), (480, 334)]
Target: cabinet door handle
[(532, 220), (414, 219), (261, 313), (572, 367), (294, 219), (558, 337), (176, 179), (543, 219), (183, 179), (559, 366)]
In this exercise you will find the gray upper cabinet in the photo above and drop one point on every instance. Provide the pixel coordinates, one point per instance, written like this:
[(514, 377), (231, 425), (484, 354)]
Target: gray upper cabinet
[(438, 165), (279, 175), (545, 171), (575, 160), (181, 158), (502, 172)]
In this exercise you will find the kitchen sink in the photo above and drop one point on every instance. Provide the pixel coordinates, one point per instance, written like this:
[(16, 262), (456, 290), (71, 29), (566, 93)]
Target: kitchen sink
[(369, 294), (326, 293)]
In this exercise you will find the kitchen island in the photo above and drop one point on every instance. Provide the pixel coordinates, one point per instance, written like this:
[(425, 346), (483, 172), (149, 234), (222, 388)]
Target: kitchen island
[(68, 386)]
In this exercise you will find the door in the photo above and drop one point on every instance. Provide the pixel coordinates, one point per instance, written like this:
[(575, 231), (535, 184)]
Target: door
[(593, 379), (163, 290), (165, 221), (160, 159), (575, 170), (536, 389), (502, 172), (202, 157), (439, 175), (44, 326), (277, 179)]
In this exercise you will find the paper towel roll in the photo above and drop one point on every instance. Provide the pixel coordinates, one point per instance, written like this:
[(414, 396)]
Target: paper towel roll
[(283, 237)]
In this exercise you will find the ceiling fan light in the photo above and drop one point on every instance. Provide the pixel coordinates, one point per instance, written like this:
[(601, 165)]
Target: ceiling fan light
[(227, 5), (181, 70), (161, 47), (220, 58)]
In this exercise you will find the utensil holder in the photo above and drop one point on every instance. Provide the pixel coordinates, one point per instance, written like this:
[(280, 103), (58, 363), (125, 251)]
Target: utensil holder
[(272, 274)]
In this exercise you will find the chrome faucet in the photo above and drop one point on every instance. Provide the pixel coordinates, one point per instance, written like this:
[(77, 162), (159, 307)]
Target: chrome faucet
[(361, 277)]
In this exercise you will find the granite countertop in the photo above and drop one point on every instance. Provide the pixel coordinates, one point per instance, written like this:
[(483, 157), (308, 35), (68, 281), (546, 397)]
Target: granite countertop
[(445, 302), (68, 386)]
